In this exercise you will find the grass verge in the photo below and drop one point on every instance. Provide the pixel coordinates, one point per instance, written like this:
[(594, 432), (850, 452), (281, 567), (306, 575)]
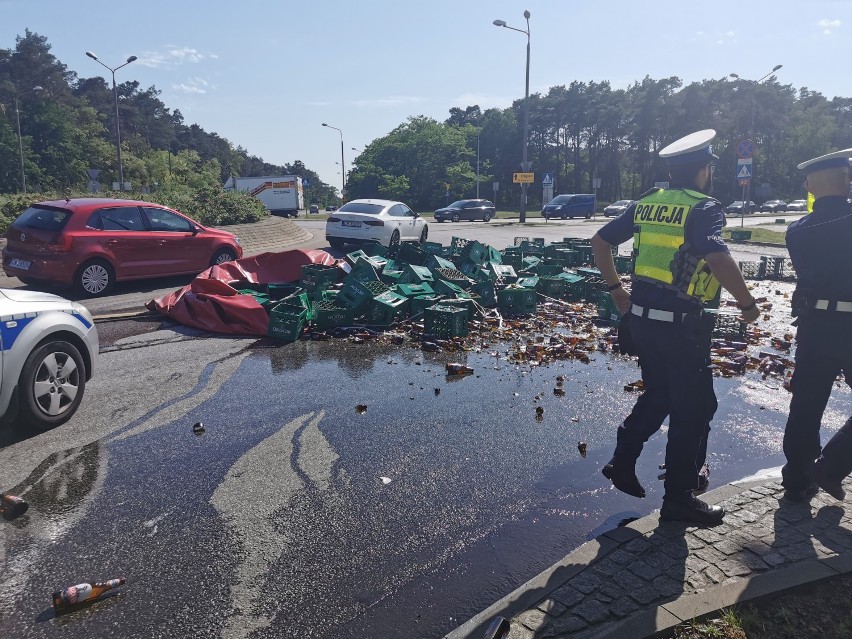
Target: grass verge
[(761, 233), (816, 610)]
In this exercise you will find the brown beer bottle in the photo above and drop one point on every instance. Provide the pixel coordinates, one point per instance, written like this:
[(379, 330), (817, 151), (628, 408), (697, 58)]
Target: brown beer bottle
[(75, 597), (12, 506)]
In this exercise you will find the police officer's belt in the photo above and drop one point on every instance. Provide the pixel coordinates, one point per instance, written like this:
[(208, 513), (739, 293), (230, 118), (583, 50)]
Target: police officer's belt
[(660, 316), (833, 305)]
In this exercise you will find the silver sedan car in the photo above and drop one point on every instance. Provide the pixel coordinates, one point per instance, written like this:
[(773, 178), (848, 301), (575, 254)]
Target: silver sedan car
[(49, 345)]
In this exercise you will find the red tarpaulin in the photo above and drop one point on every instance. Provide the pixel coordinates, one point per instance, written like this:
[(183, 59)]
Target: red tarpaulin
[(211, 302)]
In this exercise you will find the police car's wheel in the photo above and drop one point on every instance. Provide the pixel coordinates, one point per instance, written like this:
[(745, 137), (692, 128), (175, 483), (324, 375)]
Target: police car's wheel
[(51, 385), (95, 278)]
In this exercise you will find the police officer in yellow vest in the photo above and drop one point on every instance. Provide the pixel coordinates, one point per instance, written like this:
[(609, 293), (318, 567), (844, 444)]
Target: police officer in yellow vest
[(681, 260), (822, 304)]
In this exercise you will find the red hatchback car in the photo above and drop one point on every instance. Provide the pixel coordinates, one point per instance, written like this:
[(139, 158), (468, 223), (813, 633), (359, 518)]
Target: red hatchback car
[(91, 243)]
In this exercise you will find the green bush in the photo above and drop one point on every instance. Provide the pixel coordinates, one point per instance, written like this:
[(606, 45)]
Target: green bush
[(209, 206)]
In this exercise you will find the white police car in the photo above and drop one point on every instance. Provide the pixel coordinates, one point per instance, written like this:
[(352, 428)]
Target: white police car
[(48, 347)]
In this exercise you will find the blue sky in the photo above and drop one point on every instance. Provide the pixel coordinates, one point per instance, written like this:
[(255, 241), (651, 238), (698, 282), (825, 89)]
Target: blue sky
[(265, 74)]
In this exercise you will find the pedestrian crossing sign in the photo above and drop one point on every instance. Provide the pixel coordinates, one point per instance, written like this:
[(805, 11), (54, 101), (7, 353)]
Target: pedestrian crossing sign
[(744, 169)]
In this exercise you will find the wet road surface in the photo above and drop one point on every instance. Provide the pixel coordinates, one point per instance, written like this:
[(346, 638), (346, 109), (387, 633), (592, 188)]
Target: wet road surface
[(294, 515)]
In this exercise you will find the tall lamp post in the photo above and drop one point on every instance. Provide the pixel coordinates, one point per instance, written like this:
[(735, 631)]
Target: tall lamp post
[(747, 190), (525, 166), (35, 89), (342, 163), (117, 126)]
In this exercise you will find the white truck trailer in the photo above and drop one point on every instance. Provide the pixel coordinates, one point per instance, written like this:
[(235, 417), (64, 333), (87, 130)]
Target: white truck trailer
[(281, 194)]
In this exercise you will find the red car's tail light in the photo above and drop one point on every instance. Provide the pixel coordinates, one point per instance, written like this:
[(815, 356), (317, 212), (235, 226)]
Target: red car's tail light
[(333, 220), (59, 243), (374, 222)]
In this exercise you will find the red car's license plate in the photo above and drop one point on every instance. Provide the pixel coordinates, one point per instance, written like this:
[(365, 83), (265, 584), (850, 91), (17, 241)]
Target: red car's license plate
[(22, 264)]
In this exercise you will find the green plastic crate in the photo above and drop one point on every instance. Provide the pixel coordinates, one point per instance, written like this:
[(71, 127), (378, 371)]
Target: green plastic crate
[(505, 272), (295, 304), (467, 303), (420, 303), (575, 285), (413, 290), (530, 262), (280, 290), (318, 274), (457, 244), (353, 257), (386, 308), (363, 271), (475, 252), (286, 325), (411, 253), (528, 282), (447, 288), (437, 261), (517, 300), (415, 274), (486, 292), (552, 286), (372, 249), (330, 295), (446, 321), (454, 276), (623, 264), (432, 248), (331, 314), (356, 295), (607, 310)]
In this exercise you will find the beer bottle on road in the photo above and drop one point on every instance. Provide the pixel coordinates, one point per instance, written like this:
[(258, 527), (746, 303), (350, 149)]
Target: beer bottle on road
[(74, 597), (12, 506)]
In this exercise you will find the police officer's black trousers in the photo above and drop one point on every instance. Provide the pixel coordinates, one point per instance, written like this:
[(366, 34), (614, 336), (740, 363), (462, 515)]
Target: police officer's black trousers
[(675, 362), (823, 351)]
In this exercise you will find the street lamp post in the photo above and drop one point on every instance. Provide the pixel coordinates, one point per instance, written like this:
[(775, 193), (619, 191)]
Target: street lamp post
[(747, 189), (477, 163), (525, 165), (342, 163), (35, 89), (117, 126)]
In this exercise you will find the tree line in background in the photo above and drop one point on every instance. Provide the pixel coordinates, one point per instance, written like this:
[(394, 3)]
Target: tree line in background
[(588, 130), (577, 133), (68, 127)]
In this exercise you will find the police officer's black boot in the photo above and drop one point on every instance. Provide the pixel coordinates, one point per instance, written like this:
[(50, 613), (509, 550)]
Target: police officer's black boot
[(836, 462), (622, 474), (689, 508)]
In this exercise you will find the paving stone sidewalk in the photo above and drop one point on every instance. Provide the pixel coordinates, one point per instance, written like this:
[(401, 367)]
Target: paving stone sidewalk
[(650, 575)]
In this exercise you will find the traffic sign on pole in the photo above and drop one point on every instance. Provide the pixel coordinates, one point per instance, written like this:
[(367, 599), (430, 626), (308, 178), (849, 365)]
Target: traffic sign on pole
[(744, 169), (745, 149), (523, 178)]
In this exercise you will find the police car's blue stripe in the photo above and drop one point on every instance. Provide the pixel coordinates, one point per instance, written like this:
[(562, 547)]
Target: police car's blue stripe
[(11, 334)]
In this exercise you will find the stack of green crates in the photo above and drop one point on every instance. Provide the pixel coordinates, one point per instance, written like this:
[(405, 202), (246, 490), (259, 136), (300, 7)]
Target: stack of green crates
[(386, 308), (574, 285), (446, 321), (316, 278), (517, 300), (329, 314)]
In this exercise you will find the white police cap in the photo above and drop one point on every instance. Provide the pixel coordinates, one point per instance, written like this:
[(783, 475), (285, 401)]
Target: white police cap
[(691, 149), (832, 160)]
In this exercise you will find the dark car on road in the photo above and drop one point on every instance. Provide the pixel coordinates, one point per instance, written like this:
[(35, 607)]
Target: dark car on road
[(617, 208), (736, 208), (91, 243), (773, 206), (570, 206), (466, 210)]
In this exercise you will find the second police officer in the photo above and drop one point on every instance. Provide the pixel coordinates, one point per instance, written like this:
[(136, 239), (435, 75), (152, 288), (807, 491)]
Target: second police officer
[(822, 303), (681, 260)]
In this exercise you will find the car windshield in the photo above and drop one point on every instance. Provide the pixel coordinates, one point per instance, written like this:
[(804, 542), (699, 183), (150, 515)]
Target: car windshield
[(561, 199), (362, 207), (621, 203), (737, 203), (47, 219)]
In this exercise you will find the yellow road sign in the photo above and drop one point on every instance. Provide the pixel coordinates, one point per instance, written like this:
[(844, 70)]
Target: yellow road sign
[(523, 178)]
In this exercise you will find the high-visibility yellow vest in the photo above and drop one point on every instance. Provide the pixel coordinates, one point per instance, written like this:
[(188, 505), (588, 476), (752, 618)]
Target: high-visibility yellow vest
[(662, 255)]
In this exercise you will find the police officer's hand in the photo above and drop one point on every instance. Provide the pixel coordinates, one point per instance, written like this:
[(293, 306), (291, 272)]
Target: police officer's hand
[(749, 312), (622, 300)]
